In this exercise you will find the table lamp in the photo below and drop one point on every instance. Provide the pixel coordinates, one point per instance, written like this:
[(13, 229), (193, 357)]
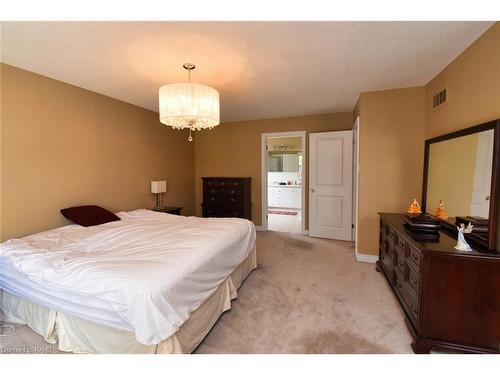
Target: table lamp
[(158, 188)]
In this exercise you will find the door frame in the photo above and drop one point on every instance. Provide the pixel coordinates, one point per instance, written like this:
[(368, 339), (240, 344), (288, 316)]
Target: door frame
[(355, 180), (264, 138)]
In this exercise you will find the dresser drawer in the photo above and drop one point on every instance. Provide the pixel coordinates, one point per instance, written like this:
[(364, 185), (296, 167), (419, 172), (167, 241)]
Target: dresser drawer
[(386, 255), (234, 198), (413, 255), (211, 184), (413, 278), (382, 236), (392, 236), (210, 190), (231, 192), (398, 281), (211, 198), (222, 190), (222, 198), (388, 248), (388, 267), (411, 301), (408, 298), (400, 258), (384, 244), (400, 242)]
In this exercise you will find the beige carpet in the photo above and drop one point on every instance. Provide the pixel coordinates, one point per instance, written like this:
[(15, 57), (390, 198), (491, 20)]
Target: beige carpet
[(307, 296)]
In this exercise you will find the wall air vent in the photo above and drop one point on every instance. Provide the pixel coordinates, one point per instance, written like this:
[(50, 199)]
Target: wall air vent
[(439, 99)]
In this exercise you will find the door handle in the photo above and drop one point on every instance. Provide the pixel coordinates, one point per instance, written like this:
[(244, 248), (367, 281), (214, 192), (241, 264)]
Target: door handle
[(311, 190)]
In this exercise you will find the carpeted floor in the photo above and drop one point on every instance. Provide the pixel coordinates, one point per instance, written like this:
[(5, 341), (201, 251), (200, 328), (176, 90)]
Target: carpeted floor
[(307, 296), (310, 296)]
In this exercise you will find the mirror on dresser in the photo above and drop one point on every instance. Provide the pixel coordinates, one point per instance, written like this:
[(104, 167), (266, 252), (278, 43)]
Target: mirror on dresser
[(460, 169)]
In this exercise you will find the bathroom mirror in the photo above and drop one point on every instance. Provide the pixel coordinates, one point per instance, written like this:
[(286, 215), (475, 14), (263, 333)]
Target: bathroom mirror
[(460, 170), (284, 162)]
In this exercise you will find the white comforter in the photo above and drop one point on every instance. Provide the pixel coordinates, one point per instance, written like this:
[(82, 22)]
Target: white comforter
[(150, 269)]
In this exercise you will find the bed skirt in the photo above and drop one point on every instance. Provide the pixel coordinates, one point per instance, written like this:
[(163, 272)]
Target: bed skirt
[(73, 334)]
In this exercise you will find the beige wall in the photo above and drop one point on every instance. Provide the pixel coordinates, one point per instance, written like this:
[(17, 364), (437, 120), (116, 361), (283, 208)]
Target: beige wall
[(391, 154), (234, 150), (62, 146), (473, 87)]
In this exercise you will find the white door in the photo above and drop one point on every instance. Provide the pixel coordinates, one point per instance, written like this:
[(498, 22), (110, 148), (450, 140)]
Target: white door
[(330, 185)]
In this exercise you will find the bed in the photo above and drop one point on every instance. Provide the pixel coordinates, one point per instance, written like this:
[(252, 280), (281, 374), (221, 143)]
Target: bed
[(148, 283)]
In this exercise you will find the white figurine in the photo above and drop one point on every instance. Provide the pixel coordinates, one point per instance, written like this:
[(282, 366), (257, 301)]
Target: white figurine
[(462, 244)]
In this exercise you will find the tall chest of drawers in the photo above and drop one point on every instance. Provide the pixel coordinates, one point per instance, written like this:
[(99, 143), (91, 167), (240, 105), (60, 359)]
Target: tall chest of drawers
[(227, 197), (450, 299)]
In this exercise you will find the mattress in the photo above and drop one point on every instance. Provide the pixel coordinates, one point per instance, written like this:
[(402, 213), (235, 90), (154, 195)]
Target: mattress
[(145, 273)]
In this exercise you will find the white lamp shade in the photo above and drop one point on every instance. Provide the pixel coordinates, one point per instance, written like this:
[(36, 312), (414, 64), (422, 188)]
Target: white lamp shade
[(189, 105), (158, 187)]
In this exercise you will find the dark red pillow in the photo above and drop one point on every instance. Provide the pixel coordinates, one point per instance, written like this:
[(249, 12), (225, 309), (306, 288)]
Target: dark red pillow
[(89, 215)]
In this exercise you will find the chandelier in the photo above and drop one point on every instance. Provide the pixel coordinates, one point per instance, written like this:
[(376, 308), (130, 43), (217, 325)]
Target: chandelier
[(189, 105)]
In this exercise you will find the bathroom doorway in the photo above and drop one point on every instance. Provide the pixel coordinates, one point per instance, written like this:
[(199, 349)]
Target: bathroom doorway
[(283, 164)]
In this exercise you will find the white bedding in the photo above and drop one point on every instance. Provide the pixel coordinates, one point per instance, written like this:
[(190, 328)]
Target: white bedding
[(145, 273)]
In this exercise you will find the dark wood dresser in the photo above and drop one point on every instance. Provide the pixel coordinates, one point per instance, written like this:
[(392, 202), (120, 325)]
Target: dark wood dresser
[(451, 299), (227, 197)]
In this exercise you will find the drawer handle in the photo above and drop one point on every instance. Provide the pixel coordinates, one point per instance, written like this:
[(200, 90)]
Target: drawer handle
[(414, 257), (413, 281), (413, 308)]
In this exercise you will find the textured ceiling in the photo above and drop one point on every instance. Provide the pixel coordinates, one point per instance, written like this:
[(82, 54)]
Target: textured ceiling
[(262, 69)]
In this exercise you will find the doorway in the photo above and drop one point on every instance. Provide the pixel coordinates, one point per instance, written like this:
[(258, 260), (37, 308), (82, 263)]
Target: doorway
[(283, 178)]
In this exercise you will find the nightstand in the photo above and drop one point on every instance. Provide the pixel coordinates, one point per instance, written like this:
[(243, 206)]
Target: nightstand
[(169, 210)]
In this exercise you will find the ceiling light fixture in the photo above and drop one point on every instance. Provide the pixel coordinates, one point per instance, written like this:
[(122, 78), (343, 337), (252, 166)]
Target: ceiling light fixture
[(189, 105)]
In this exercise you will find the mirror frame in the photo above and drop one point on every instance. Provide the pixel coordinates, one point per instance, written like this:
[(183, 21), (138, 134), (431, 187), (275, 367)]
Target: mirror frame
[(495, 183)]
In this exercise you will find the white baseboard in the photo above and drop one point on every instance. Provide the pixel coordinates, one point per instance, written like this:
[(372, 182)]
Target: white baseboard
[(366, 258)]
